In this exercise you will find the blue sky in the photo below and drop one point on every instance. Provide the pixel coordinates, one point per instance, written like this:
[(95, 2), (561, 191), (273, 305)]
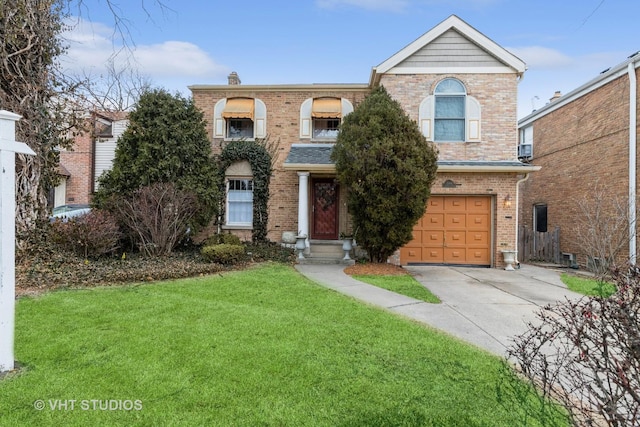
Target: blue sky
[(186, 42)]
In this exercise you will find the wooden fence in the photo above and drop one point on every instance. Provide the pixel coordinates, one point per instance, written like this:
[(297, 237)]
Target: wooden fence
[(537, 246)]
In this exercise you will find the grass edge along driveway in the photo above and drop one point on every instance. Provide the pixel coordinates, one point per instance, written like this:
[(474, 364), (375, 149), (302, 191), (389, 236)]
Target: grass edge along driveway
[(264, 346)]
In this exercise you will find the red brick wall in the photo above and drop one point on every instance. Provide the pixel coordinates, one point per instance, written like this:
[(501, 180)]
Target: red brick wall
[(78, 162), (578, 145)]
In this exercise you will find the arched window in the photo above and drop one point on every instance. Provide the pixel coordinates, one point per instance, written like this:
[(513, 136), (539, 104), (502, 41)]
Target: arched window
[(239, 183), (450, 115), (320, 118), (239, 118), (450, 111)]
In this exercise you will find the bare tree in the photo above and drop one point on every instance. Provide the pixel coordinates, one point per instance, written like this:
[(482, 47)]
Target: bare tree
[(586, 354), (33, 86), (602, 228), (118, 89)]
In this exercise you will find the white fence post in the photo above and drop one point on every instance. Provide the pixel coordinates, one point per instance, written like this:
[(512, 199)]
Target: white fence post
[(8, 149)]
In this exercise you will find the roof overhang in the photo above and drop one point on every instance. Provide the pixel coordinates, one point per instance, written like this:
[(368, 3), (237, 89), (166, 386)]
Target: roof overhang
[(487, 167)]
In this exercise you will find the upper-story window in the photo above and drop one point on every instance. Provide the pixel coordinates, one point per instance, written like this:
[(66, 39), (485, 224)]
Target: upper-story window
[(320, 118), (450, 114), (449, 119), (240, 118)]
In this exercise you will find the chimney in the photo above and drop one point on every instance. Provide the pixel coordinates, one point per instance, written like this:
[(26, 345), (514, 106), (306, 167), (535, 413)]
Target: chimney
[(234, 79), (555, 96)]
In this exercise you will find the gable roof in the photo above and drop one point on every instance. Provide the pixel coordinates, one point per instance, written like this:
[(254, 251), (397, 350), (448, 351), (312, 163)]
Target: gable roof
[(424, 56)]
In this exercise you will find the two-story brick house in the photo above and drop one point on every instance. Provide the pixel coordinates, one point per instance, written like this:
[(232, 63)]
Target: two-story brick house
[(584, 141), (461, 89)]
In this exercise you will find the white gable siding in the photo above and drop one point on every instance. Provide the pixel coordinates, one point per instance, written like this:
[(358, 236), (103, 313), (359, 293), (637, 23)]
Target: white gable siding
[(451, 49), (106, 149)]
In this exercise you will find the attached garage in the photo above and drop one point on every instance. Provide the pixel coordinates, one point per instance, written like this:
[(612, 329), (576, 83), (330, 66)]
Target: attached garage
[(454, 230)]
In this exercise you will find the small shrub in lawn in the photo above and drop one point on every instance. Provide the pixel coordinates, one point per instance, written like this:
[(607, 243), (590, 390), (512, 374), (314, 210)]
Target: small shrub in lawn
[(224, 253), (90, 236)]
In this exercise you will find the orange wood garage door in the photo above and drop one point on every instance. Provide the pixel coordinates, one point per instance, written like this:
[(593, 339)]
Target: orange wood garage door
[(454, 230)]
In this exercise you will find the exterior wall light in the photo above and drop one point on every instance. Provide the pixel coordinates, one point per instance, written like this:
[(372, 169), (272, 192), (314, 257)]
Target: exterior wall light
[(507, 201)]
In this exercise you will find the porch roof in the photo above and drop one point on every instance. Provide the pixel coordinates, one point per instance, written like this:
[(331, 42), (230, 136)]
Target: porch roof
[(310, 157), (317, 158)]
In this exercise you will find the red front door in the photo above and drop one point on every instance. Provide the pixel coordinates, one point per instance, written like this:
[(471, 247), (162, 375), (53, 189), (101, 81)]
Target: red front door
[(324, 222)]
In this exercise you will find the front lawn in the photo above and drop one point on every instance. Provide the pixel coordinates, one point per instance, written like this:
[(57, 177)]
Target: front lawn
[(264, 346), (586, 286), (403, 284)]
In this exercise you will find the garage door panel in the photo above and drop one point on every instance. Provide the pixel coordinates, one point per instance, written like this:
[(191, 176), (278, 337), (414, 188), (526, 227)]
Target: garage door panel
[(477, 239), (456, 239), (435, 204), (455, 255), (478, 221), (455, 221), (454, 230), (477, 256), (455, 204), (432, 255)]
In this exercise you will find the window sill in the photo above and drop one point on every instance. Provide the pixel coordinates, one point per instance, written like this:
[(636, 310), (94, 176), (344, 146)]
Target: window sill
[(237, 227)]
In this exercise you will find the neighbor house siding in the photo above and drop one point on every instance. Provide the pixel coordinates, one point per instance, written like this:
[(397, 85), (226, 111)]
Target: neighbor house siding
[(579, 145)]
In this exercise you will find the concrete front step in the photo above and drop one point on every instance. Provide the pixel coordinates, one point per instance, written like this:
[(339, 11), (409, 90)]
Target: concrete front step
[(310, 260), (326, 252)]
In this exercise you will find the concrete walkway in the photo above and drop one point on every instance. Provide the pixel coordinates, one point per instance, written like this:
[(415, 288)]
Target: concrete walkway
[(483, 306)]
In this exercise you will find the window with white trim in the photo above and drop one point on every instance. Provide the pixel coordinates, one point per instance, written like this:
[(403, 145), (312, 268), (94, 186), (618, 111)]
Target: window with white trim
[(449, 119), (239, 118), (450, 114), (320, 118), (239, 202)]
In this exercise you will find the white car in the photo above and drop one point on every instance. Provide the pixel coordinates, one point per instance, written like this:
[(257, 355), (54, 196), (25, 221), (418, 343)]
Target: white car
[(65, 212)]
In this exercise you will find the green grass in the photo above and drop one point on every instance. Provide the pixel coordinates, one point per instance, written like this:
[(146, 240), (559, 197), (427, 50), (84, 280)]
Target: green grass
[(403, 284), (586, 286), (264, 346)]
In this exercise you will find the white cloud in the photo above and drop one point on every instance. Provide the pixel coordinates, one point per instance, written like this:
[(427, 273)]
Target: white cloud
[(542, 57), (92, 45)]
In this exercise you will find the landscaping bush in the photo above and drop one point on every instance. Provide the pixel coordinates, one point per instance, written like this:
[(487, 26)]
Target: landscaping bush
[(224, 253), (157, 217), (270, 251), (218, 239), (89, 236), (586, 354)]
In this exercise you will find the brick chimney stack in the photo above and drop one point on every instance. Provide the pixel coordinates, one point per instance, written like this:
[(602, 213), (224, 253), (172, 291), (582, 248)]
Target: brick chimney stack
[(234, 79), (555, 96)]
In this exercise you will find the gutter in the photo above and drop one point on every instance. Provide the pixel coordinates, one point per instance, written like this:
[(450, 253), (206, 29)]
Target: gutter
[(633, 111), (520, 181)]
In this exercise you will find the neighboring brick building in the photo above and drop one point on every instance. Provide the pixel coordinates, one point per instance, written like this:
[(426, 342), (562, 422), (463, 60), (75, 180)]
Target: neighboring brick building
[(582, 140), (461, 89), (92, 153)]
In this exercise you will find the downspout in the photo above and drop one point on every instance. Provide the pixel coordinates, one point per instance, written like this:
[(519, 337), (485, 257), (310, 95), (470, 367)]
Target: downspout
[(520, 181), (632, 160)]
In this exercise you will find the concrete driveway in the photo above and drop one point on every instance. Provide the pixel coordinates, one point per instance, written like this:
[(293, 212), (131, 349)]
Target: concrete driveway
[(483, 306), (487, 307)]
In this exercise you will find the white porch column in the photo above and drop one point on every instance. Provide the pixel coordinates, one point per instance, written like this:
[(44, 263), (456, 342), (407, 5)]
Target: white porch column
[(8, 149), (303, 205)]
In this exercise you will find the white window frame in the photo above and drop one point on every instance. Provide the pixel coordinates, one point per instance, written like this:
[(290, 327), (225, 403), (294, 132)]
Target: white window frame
[(232, 181), (472, 119)]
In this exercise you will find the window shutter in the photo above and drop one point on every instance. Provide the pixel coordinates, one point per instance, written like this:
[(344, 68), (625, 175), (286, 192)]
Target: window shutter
[(305, 118), (473, 119), (260, 119), (425, 117)]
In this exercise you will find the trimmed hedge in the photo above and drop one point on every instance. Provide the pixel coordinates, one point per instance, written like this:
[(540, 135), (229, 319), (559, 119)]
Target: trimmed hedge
[(224, 253)]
